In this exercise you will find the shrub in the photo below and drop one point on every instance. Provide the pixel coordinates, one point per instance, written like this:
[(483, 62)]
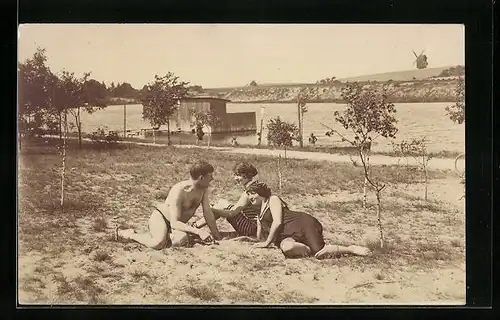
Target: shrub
[(104, 137)]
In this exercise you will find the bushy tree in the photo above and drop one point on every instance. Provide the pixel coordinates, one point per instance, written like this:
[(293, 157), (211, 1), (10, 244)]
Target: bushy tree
[(161, 99), (456, 112), (281, 133), (368, 115), (34, 94)]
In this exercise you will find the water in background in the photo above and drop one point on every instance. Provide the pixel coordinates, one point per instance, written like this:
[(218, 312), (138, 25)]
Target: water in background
[(415, 120)]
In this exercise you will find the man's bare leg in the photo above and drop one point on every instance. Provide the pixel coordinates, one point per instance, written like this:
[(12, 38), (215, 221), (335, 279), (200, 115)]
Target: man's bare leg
[(156, 238), (294, 249), (332, 250)]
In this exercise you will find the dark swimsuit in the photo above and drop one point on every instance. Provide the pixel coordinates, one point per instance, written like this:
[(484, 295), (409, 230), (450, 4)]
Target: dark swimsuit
[(169, 227), (297, 225)]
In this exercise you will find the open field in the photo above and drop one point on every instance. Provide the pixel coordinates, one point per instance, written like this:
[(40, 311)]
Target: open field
[(71, 257)]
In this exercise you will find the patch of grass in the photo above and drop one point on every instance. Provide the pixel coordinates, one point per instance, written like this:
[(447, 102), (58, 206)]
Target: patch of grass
[(203, 292), (101, 256), (100, 224), (430, 251), (456, 243), (379, 276), (389, 296), (296, 297), (64, 288), (139, 274), (33, 284), (261, 264), (374, 246), (92, 290), (428, 206)]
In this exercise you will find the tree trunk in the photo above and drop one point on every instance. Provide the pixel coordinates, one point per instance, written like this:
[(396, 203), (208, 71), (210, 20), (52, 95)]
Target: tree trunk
[(425, 178), (299, 115), (79, 126), (279, 173), (209, 136), (154, 135), (365, 183), (379, 220), (168, 131), (60, 126), (63, 171)]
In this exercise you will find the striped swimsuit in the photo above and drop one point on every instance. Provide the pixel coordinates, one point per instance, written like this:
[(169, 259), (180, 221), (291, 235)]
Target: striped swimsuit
[(245, 223)]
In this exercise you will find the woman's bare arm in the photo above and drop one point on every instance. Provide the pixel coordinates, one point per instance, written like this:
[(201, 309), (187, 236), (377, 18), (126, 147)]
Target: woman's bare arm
[(277, 214)]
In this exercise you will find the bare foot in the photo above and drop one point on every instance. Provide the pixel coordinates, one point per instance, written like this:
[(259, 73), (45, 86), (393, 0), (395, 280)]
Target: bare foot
[(327, 252), (360, 251)]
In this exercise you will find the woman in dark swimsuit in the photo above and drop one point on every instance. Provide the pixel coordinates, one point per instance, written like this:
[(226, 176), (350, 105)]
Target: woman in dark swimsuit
[(296, 233), (243, 215)]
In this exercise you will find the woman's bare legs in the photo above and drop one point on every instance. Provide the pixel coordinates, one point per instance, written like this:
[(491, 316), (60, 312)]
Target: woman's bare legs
[(330, 250), (294, 249)]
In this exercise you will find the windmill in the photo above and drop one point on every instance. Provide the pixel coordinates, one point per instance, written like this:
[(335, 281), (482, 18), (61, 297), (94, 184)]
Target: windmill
[(421, 60)]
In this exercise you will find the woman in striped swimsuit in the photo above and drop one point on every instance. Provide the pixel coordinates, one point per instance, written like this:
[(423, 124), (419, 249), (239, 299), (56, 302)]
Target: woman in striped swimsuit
[(243, 215), (296, 233)]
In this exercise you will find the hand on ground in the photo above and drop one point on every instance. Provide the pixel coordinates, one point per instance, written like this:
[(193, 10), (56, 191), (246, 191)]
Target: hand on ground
[(261, 245), (205, 236)]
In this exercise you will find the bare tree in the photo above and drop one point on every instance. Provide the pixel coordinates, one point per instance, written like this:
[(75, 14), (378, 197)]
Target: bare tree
[(417, 149), (368, 114)]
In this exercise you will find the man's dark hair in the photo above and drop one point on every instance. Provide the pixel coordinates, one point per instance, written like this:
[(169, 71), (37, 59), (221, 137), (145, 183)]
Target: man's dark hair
[(200, 168), (245, 169), (259, 188)]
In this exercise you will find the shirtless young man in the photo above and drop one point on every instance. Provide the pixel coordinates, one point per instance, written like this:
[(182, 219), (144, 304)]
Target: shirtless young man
[(168, 222)]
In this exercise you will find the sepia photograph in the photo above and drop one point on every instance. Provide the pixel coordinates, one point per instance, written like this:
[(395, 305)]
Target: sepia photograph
[(241, 164)]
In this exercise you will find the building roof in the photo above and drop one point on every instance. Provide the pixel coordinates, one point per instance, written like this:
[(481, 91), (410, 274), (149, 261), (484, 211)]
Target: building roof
[(204, 97)]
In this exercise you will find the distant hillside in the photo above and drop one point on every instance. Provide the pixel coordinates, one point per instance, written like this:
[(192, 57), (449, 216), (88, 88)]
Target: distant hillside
[(407, 75), (425, 85)]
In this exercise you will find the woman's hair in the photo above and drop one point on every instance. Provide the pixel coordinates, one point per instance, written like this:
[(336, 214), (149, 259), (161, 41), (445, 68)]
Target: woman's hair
[(245, 169), (200, 168), (259, 188)]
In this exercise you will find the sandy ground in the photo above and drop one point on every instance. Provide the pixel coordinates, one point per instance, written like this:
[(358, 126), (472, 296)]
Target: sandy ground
[(426, 264), (234, 272)]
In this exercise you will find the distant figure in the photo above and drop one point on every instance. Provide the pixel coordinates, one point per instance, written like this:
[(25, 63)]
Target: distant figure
[(312, 139), (234, 143), (199, 133), (259, 138)]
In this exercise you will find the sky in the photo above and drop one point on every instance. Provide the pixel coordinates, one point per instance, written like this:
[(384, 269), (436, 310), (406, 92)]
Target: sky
[(224, 55)]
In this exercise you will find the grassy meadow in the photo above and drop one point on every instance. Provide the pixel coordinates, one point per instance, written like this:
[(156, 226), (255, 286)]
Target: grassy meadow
[(70, 256)]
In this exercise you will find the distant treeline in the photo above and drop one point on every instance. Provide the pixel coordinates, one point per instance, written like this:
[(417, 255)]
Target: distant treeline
[(124, 93)]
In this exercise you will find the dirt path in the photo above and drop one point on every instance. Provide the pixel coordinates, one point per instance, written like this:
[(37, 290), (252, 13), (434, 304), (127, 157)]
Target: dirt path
[(435, 163)]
